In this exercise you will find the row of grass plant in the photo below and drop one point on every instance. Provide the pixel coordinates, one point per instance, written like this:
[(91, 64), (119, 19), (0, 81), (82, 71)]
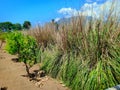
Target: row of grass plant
[(86, 60), (85, 54)]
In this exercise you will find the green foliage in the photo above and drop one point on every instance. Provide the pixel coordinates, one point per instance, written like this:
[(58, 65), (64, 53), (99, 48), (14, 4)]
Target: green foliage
[(26, 25), (8, 26), (91, 68), (23, 45), (28, 50), (12, 42), (3, 35), (51, 61), (17, 26)]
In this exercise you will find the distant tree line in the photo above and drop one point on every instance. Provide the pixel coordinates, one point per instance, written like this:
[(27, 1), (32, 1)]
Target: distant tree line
[(9, 26)]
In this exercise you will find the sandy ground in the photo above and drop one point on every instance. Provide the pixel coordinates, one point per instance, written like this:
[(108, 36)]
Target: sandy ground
[(11, 76)]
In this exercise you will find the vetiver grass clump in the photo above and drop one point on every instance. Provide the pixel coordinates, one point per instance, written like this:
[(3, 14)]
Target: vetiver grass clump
[(85, 54)]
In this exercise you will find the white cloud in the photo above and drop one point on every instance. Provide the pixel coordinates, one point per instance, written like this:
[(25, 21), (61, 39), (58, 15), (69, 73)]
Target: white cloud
[(68, 12), (91, 9), (57, 19)]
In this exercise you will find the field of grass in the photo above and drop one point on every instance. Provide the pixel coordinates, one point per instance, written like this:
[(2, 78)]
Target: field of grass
[(84, 54)]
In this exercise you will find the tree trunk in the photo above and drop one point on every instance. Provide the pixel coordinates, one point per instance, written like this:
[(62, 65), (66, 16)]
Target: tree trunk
[(1, 42), (27, 69)]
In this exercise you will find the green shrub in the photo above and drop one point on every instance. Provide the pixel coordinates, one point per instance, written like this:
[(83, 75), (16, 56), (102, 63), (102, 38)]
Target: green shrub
[(13, 42), (3, 35), (23, 45)]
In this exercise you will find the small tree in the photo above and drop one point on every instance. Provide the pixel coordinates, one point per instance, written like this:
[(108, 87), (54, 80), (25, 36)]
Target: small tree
[(26, 48), (17, 26), (7, 26), (26, 24)]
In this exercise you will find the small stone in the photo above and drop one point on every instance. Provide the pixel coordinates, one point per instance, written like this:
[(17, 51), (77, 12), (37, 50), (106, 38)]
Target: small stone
[(39, 79), (3, 88), (63, 85), (41, 73), (33, 81), (39, 84), (61, 82), (46, 78)]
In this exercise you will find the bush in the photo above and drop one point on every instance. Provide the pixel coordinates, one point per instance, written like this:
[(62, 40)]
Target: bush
[(3, 35), (13, 43), (23, 45)]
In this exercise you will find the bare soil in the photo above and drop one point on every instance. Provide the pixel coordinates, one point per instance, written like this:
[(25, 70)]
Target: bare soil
[(12, 76)]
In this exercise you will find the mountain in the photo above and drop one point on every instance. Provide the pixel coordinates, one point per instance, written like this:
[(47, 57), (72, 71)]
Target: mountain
[(68, 20)]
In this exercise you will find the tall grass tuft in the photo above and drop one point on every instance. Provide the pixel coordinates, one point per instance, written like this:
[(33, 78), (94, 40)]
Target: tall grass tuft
[(84, 54), (44, 35)]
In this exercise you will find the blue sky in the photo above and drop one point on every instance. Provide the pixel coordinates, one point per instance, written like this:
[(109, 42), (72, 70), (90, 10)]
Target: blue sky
[(40, 11)]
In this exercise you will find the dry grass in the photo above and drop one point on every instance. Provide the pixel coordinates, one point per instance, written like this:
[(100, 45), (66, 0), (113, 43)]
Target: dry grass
[(84, 53)]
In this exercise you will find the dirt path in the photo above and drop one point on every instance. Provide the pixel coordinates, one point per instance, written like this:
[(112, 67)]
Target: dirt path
[(11, 76)]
